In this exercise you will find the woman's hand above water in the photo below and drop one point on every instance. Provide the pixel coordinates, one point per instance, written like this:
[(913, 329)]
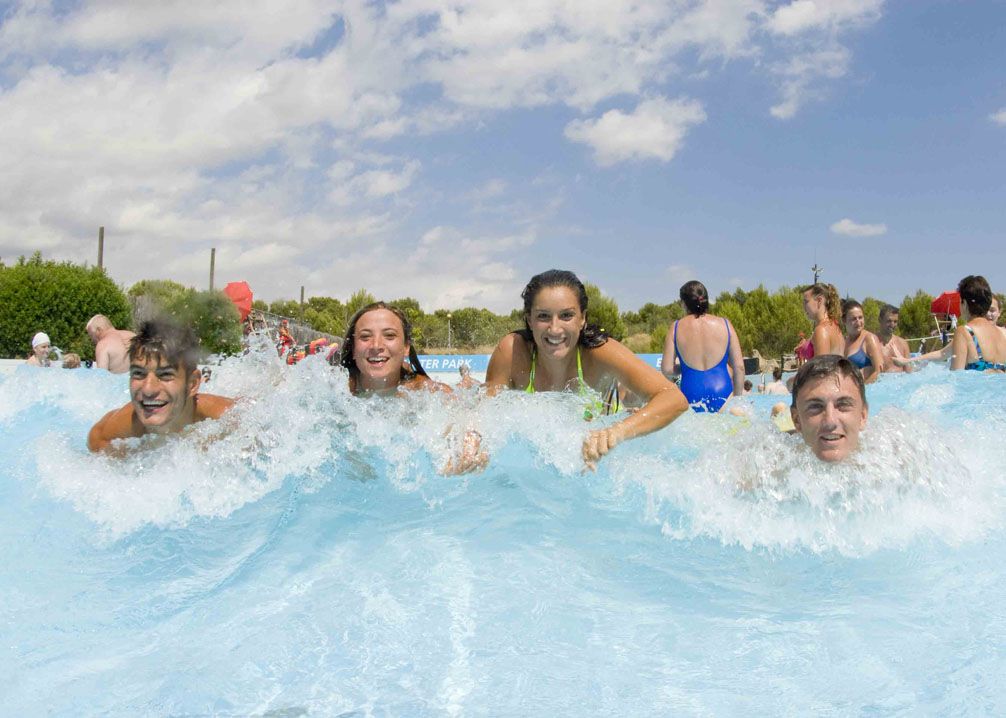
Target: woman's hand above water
[(470, 459)]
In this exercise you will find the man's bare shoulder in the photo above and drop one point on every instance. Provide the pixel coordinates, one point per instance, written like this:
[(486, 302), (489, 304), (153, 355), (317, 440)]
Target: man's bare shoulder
[(212, 406), (116, 424)]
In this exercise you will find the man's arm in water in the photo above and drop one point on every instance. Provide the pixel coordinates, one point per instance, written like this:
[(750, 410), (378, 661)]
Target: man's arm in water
[(116, 424)]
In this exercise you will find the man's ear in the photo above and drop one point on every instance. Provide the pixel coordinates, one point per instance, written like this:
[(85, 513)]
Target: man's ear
[(795, 416), (866, 414), (194, 380)]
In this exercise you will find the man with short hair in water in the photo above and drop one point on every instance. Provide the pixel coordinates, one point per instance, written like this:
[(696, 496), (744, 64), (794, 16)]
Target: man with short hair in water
[(829, 406), (893, 346), (111, 345), (164, 382)]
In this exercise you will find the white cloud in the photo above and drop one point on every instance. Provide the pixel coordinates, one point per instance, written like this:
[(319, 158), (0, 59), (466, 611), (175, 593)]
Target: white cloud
[(849, 228), (680, 273), (654, 130), (803, 15), (999, 117), (181, 126)]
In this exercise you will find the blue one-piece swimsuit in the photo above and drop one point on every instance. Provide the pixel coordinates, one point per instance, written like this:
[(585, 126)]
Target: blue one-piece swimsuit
[(706, 390)]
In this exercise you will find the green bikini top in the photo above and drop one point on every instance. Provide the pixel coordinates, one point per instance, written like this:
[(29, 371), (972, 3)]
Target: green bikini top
[(596, 405)]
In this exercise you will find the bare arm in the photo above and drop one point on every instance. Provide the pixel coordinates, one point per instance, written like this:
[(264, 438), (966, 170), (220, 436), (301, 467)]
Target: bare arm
[(500, 366), (876, 354), (101, 355), (667, 361), (116, 424), (664, 401), (960, 347), (736, 360), (212, 406)]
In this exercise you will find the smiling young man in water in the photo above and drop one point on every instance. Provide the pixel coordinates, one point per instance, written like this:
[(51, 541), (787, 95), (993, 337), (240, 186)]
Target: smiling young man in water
[(829, 406), (163, 388)]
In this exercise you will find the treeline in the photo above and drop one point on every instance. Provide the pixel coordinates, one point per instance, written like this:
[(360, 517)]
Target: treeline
[(59, 298), (769, 322)]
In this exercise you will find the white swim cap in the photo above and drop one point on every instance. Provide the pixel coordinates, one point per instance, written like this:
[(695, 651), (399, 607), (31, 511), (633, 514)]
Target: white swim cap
[(40, 338)]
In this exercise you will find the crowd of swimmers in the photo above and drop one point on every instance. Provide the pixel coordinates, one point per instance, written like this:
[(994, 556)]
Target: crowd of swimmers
[(559, 350)]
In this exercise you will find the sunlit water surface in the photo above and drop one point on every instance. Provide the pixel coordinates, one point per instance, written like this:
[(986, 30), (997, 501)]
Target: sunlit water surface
[(304, 557)]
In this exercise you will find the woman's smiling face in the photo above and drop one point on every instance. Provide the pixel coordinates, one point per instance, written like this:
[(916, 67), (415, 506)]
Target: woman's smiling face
[(556, 320), (379, 349)]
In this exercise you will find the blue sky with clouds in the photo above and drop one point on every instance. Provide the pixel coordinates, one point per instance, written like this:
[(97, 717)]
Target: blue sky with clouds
[(447, 150)]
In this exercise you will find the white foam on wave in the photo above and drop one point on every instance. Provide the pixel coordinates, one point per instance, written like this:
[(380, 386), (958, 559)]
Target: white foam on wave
[(738, 481)]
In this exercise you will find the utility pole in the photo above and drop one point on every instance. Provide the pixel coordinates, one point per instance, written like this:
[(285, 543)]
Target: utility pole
[(101, 247), (449, 330), (213, 265), (302, 304)]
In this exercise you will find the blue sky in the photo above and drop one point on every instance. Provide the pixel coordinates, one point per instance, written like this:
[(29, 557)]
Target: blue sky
[(450, 150)]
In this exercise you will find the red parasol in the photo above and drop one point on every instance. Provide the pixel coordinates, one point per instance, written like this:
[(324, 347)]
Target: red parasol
[(947, 303), (241, 294)]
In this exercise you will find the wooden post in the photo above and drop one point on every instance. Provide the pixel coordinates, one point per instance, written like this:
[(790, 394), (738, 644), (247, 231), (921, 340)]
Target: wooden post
[(101, 247), (302, 304), (213, 265)]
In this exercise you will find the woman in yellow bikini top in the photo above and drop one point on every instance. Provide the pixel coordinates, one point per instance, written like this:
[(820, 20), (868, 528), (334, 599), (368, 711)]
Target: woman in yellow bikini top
[(559, 351)]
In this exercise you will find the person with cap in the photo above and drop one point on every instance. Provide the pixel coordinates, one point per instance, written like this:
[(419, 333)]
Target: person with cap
[(40, 349)]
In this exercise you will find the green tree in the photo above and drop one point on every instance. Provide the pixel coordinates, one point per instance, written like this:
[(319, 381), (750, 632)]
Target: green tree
[(212, 315), (57, 298), (360, 299), (603, 311), (914, 316)]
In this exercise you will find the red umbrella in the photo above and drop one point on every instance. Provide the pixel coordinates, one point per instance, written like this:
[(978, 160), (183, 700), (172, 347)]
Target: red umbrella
[(241, 294), (947, 303)]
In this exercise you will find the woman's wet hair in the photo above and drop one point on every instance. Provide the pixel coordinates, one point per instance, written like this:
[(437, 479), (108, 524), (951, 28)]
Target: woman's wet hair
[(976, 293), (832, 302), (165, 342), (591, 335), (695, 297), (828, 365), (848, 305), (777, 373), (346, 358)]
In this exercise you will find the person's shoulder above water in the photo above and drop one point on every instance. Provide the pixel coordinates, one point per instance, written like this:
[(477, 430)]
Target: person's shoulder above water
[(164, 381), (111, 345)]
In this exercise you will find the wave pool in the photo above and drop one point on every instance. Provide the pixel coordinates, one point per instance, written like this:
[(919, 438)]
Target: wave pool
[(304, 557)]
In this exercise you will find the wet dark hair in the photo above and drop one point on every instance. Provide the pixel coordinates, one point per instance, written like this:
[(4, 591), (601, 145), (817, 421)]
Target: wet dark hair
[(777, 373), (828, 365), (347, 360), (848, 305), (887, 310), (831, 300), (591, 335), (976, 293), (695, 297), (164, 341)]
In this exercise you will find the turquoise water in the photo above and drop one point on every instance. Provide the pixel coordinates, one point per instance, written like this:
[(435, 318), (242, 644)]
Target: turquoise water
[(304, 557)]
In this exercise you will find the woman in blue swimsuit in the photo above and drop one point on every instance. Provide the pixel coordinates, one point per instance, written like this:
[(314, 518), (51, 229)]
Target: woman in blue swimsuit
[(557, 350), (862, 348), (978, 345), (701, 347)]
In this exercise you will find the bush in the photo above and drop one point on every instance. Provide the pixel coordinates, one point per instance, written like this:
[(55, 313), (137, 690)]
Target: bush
[(57, 298)]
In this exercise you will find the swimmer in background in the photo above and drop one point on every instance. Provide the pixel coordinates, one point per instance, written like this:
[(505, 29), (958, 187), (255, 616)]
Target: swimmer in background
[(823, 307), (111, 345), (466, 381), (706, 351), (804, 350), (894, 347), (381, 361), (164, 381), (978, 344), (71, 361), (776, 386), (41, 347), (993, 315), (557, 350), (829, 406), (862, 347)]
